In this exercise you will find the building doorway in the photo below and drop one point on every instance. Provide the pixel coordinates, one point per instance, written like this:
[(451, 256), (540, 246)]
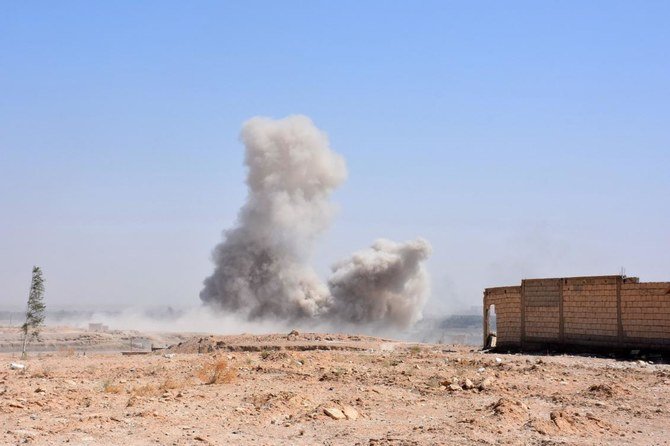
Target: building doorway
[(490, 327)]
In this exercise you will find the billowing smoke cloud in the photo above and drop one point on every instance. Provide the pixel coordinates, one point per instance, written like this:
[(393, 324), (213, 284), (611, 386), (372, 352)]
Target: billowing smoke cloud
[(385, 284), (261, 267)]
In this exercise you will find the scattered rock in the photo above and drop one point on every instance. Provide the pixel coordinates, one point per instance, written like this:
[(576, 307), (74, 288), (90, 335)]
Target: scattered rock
[(17, 366), (334, 413), (350, 413), (510, 409), (603, 390), (467, 384), (454, 387), (486, 383)]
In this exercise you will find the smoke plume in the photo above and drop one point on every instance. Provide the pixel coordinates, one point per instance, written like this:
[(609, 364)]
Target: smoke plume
[(385, 284), (262, 267)]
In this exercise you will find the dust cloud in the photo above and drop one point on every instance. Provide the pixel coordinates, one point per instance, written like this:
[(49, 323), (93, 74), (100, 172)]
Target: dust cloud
[(262, 269)]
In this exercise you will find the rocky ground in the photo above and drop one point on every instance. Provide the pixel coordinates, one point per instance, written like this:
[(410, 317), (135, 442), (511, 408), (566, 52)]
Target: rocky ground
[(314, 389)]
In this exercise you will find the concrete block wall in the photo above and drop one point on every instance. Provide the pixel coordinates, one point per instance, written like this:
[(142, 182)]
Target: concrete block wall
[(590, 308), (507, 302), (646, 311), (541, 314), (605, 311)]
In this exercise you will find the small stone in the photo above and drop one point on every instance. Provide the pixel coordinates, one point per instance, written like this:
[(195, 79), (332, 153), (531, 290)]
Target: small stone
[(486, 383), (334, 413), (350, 413), (454, 387), (467, 384)]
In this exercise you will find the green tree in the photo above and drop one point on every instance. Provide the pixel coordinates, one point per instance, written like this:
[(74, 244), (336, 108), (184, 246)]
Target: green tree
[(35, 309)]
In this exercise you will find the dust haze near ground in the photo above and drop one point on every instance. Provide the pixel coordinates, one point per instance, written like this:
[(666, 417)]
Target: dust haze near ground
[(262, 269)]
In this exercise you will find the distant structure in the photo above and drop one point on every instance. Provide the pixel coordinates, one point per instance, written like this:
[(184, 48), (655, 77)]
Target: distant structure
[(97, 327), (615, 312)]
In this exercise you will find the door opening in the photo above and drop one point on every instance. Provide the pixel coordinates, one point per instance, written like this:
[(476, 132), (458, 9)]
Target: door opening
[(490, 322)]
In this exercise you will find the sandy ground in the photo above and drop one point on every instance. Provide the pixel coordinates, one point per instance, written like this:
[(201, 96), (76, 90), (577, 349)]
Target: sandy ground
[(320, 389)]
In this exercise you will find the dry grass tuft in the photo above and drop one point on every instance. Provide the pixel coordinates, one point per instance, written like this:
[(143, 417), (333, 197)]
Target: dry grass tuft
[(172, 384), (415, 349), (217, 372), (145, 390), (44, 372), (67, 352), (109, 387)]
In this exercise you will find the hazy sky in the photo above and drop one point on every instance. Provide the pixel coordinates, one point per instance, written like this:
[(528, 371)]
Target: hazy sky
[(522, 139)]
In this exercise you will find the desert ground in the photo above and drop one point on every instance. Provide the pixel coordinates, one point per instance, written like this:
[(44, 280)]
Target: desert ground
[(326, 389)]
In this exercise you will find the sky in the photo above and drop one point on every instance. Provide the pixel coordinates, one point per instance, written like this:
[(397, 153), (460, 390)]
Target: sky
[(522, 139)]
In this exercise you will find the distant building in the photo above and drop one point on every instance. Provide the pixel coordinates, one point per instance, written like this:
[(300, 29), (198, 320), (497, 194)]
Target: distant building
[(597, 311)]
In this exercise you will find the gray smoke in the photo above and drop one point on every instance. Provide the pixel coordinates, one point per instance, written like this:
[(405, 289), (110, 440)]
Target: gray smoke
[(385, 284), (262, 267)]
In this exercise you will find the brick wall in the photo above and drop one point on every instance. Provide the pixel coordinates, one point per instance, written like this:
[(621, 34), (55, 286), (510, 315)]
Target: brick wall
[(608, 311)]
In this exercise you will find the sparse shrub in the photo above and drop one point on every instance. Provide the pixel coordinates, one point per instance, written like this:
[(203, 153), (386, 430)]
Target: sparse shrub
[(171, 384), (265, 354), (216, 372), (67, 352), (109, 387), (391, 362), (145, 390), (44, 372), (415, 349)]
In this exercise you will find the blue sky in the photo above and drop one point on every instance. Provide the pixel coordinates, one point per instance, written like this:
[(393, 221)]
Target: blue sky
[(521, 139)]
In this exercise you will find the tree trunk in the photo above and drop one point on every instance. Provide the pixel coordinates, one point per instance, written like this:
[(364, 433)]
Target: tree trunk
[(25, 341)]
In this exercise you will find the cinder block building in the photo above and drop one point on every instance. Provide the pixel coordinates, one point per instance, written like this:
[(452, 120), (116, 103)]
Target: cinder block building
[(615, 312)]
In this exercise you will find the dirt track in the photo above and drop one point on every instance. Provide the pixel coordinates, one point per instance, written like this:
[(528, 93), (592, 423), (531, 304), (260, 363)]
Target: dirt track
[(276, 389)]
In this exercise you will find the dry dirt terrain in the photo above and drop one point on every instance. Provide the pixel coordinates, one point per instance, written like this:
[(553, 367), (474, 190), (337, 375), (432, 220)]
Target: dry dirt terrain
[(321, 389), (61, 338)]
